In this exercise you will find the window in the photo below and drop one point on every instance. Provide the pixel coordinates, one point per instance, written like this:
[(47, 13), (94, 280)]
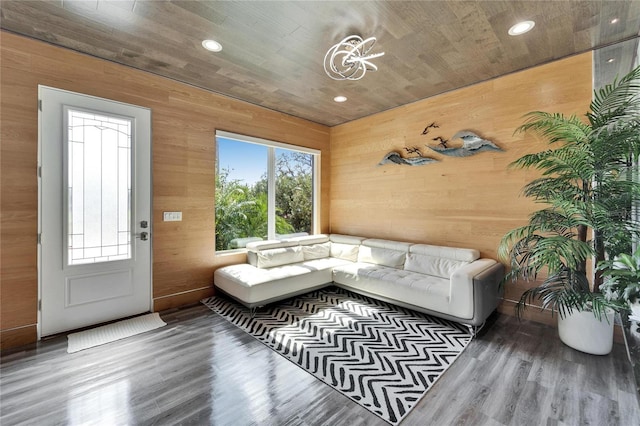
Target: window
[(98, 189), (264, 190)]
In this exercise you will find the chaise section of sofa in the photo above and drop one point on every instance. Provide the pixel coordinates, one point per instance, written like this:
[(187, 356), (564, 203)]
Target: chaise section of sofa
[(277, 270)]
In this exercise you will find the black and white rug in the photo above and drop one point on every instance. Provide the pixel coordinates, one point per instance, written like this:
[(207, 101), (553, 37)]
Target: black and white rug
[(381, 356)]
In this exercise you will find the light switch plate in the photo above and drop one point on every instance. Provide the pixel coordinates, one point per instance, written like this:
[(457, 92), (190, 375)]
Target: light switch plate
[(172, 216)]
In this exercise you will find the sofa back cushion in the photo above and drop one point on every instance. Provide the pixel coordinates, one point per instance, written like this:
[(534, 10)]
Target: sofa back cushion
[(383, 252), (345, 251), (261, 255), (269, 244), (438, 261), (309, 239), (254, 248), (462, 254), (432, 265), (345, 247), (279, 256), (346, 239), (316, 251)]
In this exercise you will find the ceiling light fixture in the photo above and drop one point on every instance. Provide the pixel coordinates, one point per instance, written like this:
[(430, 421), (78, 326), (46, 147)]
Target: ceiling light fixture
[(614, 21), (521, 28), (350, 59), (610, 60), (212, 45), (340, 98)]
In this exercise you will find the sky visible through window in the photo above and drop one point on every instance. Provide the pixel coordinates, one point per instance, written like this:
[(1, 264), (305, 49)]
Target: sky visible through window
[(247, 164)]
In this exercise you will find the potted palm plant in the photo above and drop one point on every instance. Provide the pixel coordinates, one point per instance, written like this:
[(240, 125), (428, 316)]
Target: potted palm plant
[(587, 188)]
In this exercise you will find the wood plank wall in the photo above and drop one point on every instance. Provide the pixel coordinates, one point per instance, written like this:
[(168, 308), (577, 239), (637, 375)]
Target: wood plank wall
[(459, 202), (184, 121)]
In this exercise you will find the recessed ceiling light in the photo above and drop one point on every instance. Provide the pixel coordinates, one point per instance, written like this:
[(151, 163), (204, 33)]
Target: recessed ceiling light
[(614, 21), (611, 60), (212, 45), (521, 28), (340, 98)]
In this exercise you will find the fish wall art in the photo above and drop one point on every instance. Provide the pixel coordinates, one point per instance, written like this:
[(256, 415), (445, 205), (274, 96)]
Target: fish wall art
[(394, 157), (472, 144)]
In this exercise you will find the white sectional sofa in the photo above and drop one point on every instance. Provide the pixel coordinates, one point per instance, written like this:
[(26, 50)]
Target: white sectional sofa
[(447, 282)]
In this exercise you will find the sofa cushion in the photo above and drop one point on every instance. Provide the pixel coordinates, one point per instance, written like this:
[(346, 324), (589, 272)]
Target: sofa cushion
[(346, 239), (309, 239), (316, 251), (256, 286), (269, 244), (383, 252), (279, 256), (345, 251), (381, 256), (387, 244), (255, 247), (324, 263), (432, 265), (395, 284), (464, 255)]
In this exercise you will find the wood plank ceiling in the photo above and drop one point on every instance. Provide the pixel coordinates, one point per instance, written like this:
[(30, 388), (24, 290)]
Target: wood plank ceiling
[(273, 51)]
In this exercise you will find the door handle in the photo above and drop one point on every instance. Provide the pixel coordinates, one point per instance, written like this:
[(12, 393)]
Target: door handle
[(144, 236)]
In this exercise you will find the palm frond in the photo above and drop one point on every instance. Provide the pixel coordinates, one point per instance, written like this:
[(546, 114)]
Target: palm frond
[(555, 127), (568, 163), (615, 101), (564, 292)]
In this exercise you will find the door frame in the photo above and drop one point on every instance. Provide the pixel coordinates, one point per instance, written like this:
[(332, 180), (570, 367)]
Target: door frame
[(40, 198)]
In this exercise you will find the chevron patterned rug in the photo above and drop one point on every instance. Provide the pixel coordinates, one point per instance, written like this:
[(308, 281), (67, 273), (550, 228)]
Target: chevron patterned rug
[(381, 356)]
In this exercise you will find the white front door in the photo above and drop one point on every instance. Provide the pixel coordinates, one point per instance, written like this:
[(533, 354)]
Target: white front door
[(94, 210)]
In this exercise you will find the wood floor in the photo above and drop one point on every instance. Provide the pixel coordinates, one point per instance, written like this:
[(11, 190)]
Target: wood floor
[(200, 370)]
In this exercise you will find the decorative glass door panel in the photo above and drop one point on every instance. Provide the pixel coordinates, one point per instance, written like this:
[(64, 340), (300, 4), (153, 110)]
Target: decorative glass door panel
[(98, 189)]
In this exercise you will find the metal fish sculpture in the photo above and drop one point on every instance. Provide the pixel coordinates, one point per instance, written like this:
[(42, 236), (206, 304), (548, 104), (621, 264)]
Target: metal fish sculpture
[(471, 144), (394, 157)]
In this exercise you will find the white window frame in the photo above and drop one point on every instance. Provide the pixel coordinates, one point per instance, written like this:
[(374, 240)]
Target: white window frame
[(271, 174)]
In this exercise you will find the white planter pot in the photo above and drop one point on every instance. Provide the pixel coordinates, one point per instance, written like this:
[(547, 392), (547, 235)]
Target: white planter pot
[(581, 330)]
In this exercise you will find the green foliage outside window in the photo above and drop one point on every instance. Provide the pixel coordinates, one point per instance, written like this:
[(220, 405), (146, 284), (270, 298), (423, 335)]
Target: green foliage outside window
[(241, 209), (294, 190)]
